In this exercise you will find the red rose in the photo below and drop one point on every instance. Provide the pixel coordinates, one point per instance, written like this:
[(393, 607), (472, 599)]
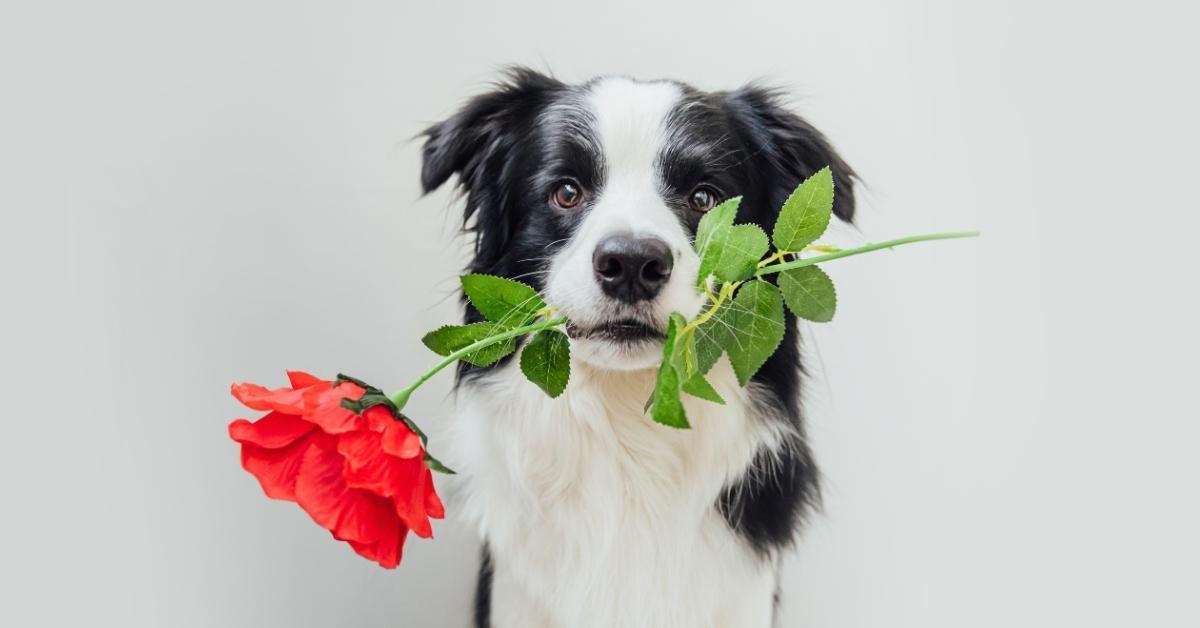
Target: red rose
[(363, 477)]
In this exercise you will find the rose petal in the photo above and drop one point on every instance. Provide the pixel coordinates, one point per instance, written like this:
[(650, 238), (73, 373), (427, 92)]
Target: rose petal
[(323, 406), (350, 514), (367, 467), (433, 503), (260, 398), (378, 417), (400, 441), (359, 447), (409, 500), (272, 431), (276, 469), (300, 379), (386, 551)]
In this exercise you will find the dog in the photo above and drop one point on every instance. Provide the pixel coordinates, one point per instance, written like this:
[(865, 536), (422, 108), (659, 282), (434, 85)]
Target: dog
[(592, 515)]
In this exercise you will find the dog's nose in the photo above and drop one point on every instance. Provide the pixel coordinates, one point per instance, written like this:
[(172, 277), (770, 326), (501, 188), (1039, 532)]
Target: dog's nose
[(632, 269)]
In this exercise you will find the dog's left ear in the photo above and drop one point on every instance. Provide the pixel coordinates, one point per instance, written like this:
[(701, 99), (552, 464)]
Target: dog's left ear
[(788, 146)]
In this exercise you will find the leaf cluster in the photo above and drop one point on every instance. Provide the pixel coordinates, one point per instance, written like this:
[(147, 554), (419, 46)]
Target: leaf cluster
[(744, 318), (508, 306)]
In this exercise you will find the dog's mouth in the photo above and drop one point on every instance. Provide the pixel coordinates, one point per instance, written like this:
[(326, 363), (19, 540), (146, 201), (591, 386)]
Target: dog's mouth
[(623, 331)]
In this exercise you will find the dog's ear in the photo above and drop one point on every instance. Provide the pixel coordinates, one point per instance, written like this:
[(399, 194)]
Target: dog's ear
[(789, 147), (478, 144), (479, 132)]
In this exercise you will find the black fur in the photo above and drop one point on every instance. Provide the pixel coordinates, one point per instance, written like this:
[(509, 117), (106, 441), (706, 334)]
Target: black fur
[(776, 149), (509, 147), (483, 590)]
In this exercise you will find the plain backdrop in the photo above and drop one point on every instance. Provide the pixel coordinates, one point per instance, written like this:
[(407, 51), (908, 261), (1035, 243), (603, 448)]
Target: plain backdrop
[(198, 193)]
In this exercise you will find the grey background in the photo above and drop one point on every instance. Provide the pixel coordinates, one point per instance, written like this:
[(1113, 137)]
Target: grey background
[(197, 193)]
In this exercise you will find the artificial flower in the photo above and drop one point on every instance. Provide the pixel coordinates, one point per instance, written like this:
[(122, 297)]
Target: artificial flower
[(363, 475)]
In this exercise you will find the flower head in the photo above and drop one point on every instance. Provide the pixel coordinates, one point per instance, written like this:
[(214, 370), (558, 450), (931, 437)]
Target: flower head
[(357, 468)]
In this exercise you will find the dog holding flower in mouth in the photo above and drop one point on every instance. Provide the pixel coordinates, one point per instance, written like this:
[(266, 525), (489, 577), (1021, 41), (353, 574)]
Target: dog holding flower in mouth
[(591, 515)]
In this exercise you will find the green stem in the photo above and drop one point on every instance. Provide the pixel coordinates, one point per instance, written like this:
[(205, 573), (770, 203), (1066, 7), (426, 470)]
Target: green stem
[(400, 397), (726, 290), (809, 261)]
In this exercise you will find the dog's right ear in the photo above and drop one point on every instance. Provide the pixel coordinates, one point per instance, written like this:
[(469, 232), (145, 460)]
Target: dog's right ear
[(480, 144), (480, 134)]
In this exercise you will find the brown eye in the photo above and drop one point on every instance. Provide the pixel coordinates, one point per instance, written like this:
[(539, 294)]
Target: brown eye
[(567, 195), (702, 199)]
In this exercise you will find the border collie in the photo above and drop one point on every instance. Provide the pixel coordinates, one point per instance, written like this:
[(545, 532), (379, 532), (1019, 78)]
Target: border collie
[(592, 515)]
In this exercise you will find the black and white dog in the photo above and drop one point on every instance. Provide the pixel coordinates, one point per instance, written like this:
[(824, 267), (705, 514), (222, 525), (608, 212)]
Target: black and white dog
[(592, 515)]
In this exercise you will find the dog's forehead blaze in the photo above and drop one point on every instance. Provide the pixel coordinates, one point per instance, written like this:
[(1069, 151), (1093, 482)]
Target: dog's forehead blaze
[(631, 119), (629, 122)]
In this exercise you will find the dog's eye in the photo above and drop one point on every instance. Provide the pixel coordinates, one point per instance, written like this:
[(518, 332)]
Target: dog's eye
[(567, 195), (702, 199)]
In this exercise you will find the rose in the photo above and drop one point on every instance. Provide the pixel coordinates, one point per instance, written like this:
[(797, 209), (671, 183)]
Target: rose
[(358, 468)]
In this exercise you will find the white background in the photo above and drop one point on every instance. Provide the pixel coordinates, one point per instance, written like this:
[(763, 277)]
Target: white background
[(197, 193)]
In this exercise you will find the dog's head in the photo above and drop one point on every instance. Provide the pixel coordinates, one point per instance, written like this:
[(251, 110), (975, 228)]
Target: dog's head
[(592, 193)]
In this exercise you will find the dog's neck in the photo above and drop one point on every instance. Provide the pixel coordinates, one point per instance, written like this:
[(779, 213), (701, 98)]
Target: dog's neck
[(590, 479)]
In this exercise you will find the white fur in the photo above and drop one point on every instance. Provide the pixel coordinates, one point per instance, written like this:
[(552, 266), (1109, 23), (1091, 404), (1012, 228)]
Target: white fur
[(597, 517)]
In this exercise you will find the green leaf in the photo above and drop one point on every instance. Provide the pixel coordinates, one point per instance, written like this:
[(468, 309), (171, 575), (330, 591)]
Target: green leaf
[(510, 303), (711, 233), (734, 253), (728, 251), (665, 405), (697, 386), (546, 361), (744, 246), (450, 338), (436, 465), (809, 293), (708, 341), (805, 214), (755, 326), (690, 365), (683, 350)]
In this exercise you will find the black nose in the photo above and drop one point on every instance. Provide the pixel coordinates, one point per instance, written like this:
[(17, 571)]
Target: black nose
[(632, 269)]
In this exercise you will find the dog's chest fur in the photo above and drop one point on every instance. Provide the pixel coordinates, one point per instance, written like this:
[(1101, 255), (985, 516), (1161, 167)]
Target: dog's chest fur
[(596, 516)]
